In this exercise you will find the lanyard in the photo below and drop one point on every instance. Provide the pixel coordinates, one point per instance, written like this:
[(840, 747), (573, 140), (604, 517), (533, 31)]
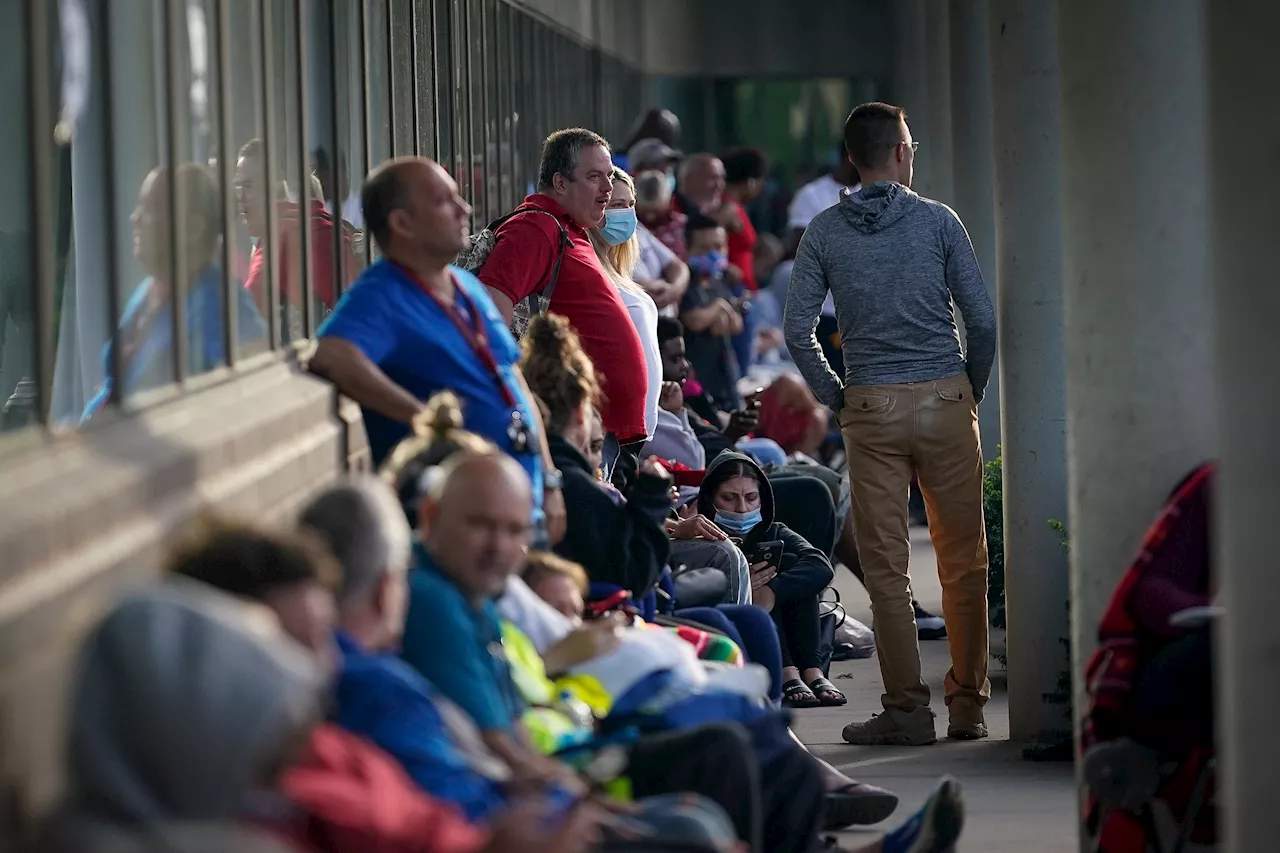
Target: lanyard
[(473, 333)]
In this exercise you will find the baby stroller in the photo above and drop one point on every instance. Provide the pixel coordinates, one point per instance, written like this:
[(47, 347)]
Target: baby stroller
[(1149, 758)]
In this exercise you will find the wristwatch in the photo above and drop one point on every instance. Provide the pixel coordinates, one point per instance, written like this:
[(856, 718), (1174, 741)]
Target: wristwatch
[(552, 479)]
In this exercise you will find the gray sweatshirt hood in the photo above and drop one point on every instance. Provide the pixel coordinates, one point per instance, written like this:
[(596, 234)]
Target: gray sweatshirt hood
[(186, 698), (874, 208)]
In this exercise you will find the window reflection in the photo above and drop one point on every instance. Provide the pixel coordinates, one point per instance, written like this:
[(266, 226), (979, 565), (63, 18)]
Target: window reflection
[(18, 399)]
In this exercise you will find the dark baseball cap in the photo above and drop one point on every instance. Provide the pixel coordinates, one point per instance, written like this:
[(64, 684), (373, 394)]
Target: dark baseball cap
[(651, 151)]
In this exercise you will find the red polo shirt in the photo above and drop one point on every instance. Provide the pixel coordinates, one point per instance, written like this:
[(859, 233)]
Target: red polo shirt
[(521, 263), (288, 230), (742, 247)]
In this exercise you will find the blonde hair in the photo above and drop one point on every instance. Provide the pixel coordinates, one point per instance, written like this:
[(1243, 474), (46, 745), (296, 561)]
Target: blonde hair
[(619, 262)]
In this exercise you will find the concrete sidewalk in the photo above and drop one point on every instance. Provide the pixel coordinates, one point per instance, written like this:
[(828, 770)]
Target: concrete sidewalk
[(1012, 806)]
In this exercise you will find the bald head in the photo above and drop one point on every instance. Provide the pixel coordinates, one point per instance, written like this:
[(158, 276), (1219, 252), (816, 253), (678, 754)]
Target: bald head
[(476, 521), (702, 179), (411, 206)]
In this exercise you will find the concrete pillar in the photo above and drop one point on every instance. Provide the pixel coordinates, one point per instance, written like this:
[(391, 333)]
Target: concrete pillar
[(1243, 139), (1140, 378), (937, 64), (1028, 200), (910, 88), (973, 165)]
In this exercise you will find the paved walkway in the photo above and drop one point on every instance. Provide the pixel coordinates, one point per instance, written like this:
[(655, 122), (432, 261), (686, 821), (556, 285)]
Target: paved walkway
[(1012, 806)]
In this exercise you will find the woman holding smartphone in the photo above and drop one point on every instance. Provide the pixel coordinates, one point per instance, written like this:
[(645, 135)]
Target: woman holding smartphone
[(788, 574)]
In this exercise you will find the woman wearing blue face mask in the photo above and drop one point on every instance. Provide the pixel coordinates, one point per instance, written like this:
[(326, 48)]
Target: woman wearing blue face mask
[(788, 574), (618, 249)]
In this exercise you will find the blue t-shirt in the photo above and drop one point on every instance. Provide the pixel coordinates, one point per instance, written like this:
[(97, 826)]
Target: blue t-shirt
[(151, 364), (418, 346), (383, 699), (458, 648)]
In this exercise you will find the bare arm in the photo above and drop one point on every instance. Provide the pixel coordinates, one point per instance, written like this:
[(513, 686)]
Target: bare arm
[(353, 374), (677, 275), (503, 303)]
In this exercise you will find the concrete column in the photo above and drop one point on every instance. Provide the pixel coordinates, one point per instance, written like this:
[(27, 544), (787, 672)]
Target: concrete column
[(910, 88), (973, 165), (1243, 139), (1140, 378), (1028, 201), (937, 64)]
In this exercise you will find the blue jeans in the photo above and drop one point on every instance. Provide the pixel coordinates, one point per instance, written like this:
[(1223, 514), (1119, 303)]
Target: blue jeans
[(752, 629)]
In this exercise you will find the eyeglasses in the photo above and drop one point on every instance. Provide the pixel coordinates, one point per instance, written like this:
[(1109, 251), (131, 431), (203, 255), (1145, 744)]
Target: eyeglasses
[(915, 145)]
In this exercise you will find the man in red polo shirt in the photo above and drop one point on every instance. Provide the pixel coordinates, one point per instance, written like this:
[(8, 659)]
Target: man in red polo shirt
[(574, 186)]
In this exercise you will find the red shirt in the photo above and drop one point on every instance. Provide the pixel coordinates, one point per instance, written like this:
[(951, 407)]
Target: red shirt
[(287, 231), (742, 247), (521, 263), (356, 797)]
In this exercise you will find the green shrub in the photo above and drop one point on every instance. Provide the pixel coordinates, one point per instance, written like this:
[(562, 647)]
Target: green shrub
[(993, 511)]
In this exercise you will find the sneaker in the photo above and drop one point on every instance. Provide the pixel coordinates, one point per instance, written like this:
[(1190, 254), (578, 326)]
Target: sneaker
[(894, 727), (928, 626), (935, 828), (858, 804), (966, 720)]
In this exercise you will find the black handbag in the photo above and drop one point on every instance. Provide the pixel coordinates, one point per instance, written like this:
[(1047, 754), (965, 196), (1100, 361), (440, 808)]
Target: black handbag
[(831, 616)]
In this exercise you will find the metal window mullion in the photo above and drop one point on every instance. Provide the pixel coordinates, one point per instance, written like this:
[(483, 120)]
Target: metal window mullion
[(174, 33), (455, 80), (435, 79), (269, 164), (112, 259), (468, 91), (41, 195), (414, 114), (335, 125), (363, 27), (226, 177), (304, 178)]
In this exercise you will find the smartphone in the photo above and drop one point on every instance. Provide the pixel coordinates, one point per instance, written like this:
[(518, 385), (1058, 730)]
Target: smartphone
[(768, 552)]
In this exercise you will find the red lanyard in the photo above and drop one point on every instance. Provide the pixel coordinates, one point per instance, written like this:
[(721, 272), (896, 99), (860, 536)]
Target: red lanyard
[(473, 333)]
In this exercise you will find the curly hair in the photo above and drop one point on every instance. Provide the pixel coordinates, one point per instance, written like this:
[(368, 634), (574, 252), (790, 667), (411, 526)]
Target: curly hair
[(438, 434), (557, 370)]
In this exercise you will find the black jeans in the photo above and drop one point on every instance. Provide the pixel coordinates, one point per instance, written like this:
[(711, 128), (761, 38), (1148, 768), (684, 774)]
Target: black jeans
[(798, 631), (777, 807)]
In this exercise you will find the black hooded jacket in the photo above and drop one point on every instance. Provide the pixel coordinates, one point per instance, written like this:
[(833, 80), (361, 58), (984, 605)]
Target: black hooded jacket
[(621, 544), (804, 570)]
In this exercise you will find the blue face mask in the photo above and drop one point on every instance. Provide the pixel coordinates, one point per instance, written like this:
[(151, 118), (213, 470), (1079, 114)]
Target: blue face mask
[(619, 225), (738, 522), (709, 264), (671, 182)]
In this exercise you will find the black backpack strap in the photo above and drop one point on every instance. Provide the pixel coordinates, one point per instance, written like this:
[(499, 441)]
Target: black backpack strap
[(565, 242)]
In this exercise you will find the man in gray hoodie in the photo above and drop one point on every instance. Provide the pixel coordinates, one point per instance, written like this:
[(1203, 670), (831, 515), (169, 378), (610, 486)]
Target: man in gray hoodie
[(898, 266)]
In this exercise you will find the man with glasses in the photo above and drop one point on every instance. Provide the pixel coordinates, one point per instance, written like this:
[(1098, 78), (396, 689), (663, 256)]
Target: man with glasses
[(908, 402)]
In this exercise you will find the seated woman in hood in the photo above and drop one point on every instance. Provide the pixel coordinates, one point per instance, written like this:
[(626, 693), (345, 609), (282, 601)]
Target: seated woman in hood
[(788, 574)]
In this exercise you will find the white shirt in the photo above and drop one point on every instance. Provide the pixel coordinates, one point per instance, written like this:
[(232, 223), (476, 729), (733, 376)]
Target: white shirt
[(654, 255), (813, 198), (644, 316), (540, 622)]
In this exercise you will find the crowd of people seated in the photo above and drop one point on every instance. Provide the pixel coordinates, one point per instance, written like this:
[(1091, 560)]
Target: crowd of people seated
[(578, 601)]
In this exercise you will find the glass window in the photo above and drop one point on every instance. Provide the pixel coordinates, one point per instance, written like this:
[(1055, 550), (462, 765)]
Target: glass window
[(463, 147), (352, 164), (403, 108), (424, 73), (378, 84), (19, 404)]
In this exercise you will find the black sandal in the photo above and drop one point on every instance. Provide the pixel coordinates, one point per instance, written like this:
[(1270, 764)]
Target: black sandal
[(820, 687), (793, 693)]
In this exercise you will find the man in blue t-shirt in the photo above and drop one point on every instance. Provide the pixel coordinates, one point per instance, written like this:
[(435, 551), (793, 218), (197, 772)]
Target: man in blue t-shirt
[(414, 324)]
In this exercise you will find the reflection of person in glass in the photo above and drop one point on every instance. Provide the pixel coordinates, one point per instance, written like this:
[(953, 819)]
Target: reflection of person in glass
[(251, 203), (146, 327)]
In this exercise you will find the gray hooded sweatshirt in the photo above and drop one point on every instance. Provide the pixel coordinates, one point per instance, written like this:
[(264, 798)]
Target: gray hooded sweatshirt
[(186, 699), (894, 262)]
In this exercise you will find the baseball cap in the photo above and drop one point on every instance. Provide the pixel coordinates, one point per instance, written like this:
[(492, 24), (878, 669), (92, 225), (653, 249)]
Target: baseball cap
[(651, 151)]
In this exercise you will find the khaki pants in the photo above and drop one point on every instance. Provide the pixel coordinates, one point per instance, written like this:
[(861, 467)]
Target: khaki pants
[(930, 428)]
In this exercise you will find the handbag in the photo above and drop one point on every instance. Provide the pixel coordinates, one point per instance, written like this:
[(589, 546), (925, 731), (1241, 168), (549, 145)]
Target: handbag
[(831, 616)]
